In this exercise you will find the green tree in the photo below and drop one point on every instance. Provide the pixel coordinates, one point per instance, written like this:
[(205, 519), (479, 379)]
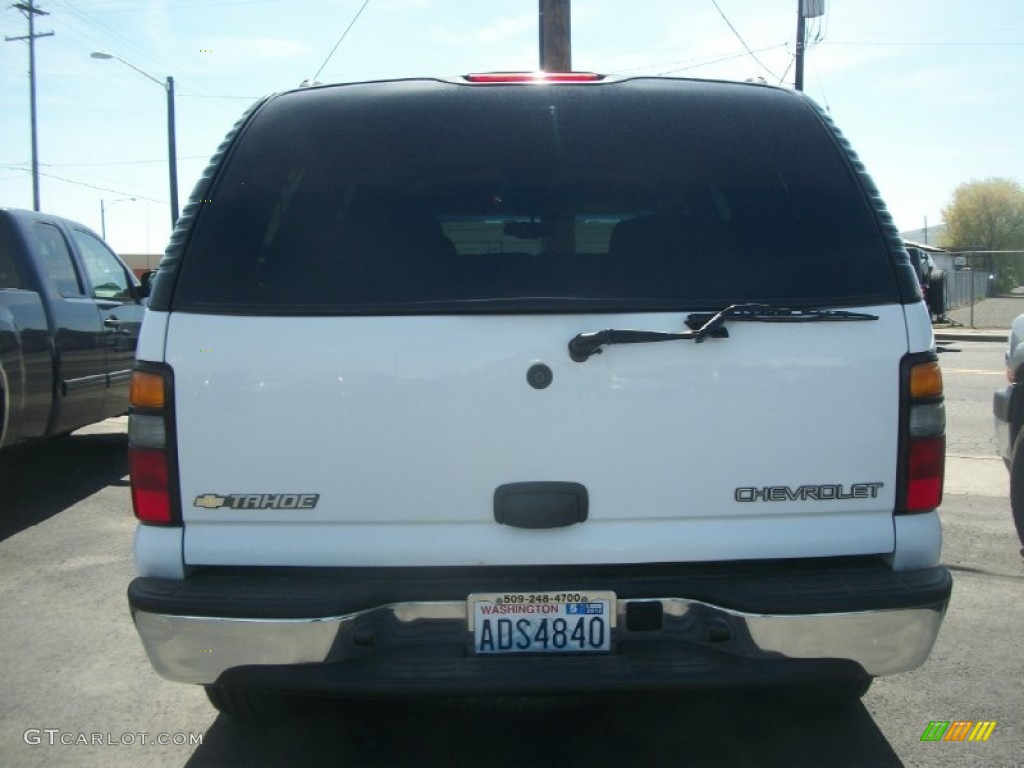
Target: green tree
[(989, 215)]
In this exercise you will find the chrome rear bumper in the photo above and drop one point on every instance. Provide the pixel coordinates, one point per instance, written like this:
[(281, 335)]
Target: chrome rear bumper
[(200, 649)]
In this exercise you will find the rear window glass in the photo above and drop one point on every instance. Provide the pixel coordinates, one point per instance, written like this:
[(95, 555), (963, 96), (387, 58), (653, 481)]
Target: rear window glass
[(424, 196)]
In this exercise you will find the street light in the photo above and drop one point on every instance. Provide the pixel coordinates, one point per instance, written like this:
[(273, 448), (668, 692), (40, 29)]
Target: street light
[(103, 213), (172, 154)]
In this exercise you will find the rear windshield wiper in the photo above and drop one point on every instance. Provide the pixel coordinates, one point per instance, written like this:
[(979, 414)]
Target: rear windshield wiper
[(583, 345)]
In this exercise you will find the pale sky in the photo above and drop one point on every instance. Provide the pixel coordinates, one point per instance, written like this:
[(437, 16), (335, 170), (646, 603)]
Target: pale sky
[(929, 92)]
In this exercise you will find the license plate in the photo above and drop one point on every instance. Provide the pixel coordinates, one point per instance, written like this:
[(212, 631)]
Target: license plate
[(542, 622)]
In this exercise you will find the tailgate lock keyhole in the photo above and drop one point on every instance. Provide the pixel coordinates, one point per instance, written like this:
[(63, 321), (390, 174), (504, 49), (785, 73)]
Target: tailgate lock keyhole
[(539, 376)]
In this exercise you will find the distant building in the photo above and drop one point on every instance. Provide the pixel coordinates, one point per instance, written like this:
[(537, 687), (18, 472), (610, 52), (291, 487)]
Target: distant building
[(141, 262)]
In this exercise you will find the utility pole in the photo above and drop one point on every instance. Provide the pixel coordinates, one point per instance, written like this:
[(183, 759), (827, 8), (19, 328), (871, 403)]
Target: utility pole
[(172, 151), (806, 9), (555, 36), (31, 13)]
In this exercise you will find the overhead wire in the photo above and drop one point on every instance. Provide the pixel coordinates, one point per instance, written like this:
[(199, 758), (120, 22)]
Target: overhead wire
[(92, 186), (821, 32), (692, 63), (824, 96), (140, 51), (150, 59), (89, 176), (698, 63), (740, 38), (111, 162), (81, 32), (870, 43), (180, 6), (789, 66)]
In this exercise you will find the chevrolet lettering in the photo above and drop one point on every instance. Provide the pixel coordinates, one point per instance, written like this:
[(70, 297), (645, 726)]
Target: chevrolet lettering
[(809, 492)]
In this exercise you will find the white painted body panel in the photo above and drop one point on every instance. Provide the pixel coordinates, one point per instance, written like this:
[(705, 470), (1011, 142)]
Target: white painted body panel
[(918, 541), (158, 551), (152, 336), (405, 426), (920, 335)]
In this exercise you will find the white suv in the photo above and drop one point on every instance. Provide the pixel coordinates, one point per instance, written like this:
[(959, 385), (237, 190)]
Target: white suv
[(517, 384)]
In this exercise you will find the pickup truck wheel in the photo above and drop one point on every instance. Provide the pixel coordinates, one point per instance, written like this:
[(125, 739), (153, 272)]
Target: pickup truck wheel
[(827, 694), (249, 703), (1017, 483)]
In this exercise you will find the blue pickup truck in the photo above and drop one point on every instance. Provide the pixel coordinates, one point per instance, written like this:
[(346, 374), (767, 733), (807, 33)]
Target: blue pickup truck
[(70, 312)]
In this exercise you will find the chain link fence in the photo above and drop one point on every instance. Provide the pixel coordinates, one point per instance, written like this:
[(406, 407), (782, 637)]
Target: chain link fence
[(978, 289), (965, 287)]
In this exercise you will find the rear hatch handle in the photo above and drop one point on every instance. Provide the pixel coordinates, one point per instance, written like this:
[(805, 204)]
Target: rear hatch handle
[(705, 326)]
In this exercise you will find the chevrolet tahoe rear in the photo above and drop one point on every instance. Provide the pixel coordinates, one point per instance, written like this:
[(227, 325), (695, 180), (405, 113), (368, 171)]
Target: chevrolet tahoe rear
[(509, 385)]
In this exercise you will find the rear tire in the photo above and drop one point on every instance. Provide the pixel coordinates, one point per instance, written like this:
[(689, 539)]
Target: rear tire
[(937, 293), (250, 703), (1017, 483)]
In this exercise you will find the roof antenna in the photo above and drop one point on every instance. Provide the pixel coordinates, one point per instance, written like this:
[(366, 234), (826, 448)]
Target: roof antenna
[(313, 80)]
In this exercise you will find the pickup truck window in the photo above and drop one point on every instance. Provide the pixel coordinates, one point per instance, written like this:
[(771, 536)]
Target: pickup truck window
[(106, 275), (56, 258), (9, 277)]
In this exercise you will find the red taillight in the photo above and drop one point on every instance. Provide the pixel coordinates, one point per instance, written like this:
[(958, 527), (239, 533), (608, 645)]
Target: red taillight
[(150, 446), (150, 490), (925, 468), (923, 459), (534, 77)]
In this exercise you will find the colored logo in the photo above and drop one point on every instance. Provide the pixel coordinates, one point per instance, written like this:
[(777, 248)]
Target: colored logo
[(209, 501), (958, 730)]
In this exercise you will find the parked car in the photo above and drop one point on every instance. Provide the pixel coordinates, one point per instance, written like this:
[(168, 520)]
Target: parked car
[(1008, 408), (70, 312), (510, 384), (932, 280)]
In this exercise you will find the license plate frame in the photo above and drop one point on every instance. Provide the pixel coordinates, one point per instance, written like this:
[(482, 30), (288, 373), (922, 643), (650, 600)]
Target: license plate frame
[(541, 623)]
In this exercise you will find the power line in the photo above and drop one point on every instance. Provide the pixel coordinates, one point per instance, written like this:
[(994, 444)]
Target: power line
[(214, 96), (697, 63), (90, 25), (123, 40), (691, 63), (180, 6), (109, 162), (740, 38), (792, 61), (340, 39), (94, 186), (918, 43)]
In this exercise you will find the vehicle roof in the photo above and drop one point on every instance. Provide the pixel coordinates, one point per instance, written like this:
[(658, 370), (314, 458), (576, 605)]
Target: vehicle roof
[(683, 84), (23, 215)]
